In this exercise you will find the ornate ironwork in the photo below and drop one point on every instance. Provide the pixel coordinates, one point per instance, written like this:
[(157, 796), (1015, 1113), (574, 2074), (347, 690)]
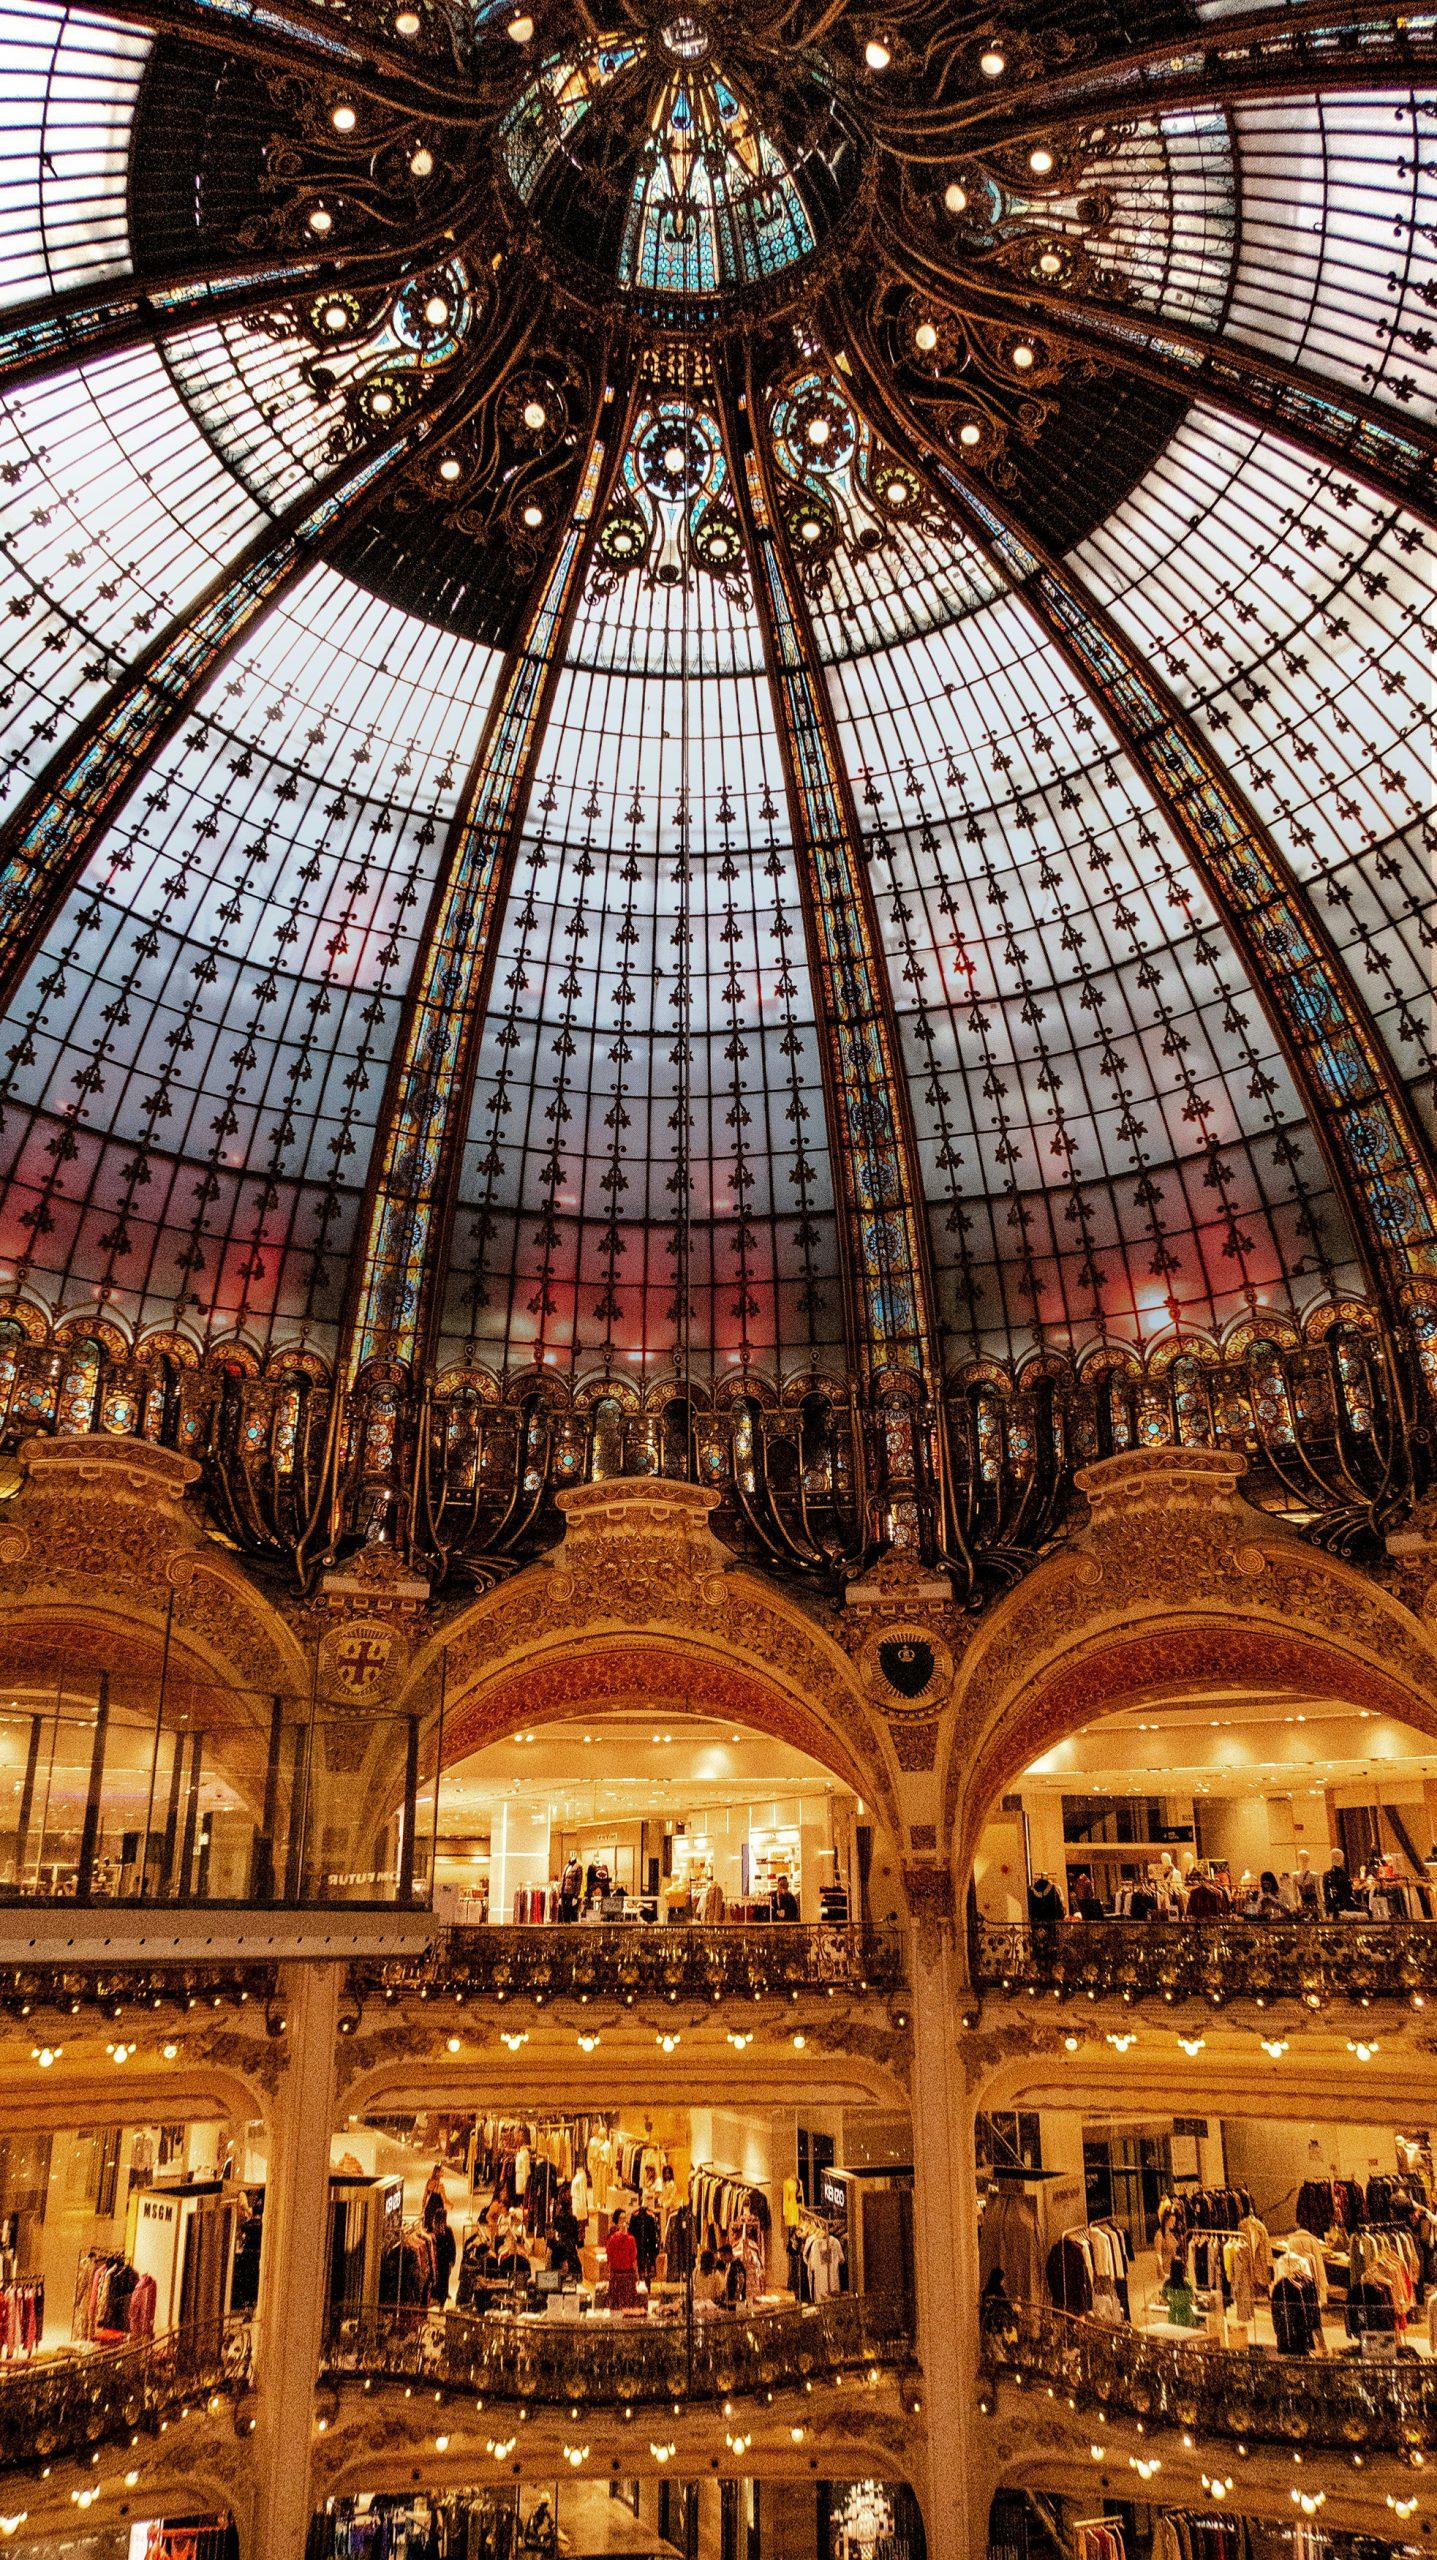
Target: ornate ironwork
[(603, 2364), (71, 2404), (629, 1962), (115, 1989), (1328, 1445), (1248, 2395), (1221, 1961)]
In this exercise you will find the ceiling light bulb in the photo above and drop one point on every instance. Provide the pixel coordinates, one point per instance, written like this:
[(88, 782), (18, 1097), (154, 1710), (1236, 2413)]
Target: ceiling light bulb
[(1023, 358), (1050, 264), (673, 457), (421, 162), (336, 317), (533, 516), (535, 415), (436, 311), (819, 431), (877, 54), (956, 198), (925, 336), (320, 220), (1041, 162), (344, 119), (970, 434), (450, 467), (810, 528), (407, 23), (520, 29), (992, 65), (382, 403), (895, 493)]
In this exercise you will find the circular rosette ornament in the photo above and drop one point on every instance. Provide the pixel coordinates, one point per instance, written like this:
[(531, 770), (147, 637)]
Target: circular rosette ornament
[(623, 538), (813, 429), (717, 541), (812, 529)]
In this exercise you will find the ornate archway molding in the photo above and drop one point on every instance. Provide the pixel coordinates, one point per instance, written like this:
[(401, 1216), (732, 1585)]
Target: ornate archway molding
[(641, 1605), (1173, 1579), (99, 1535)]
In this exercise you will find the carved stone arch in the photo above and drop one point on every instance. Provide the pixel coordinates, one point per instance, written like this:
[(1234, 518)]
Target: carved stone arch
[(1174, 1578), (641, 1601)]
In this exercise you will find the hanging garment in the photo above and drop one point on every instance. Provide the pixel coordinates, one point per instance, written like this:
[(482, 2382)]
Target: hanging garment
[(1296, 2318)]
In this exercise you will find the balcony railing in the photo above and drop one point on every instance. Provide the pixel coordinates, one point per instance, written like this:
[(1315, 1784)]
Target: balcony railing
[(115, 1990), (1314, 1961), (70, 2404), (1249, 2395), (462, 1476), (629, 1961), (604, 2363)]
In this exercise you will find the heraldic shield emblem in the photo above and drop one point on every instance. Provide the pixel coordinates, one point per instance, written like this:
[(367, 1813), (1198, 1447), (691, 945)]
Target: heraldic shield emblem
[(907, 1664), (907, 1670)]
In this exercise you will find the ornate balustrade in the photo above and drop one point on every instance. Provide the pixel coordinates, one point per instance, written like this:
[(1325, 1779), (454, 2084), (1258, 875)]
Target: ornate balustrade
[(1215, 1960), (70, 2404), (1250, 2395), (601, 2363), (462, 1476), (28, 1990), (628, 1961)]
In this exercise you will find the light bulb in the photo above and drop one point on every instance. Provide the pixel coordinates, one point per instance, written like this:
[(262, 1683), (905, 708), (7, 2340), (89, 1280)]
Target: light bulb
[(956, 198), (1022, 358), (336, 317), (344, 119), (970, 434), (321, 220), (925, 336), (1050, 264), (450, 469), (895, 493), (1041, 161), (436, 311), (382, 403), (673, 457), (520, 29), (407, 23), (876, 54), (992, 65), (533, 516), (535, 415), (421, 162), (819, 431)]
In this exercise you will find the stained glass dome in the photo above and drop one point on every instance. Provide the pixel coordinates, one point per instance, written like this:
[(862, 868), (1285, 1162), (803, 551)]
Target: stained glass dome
[(739, 697)]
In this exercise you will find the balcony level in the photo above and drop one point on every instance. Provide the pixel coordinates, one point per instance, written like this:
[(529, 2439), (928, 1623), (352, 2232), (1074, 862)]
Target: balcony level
[(1213, 1964)]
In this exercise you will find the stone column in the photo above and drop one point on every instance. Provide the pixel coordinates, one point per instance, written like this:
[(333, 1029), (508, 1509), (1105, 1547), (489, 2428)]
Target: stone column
[(955, 2499), (293, 2287)]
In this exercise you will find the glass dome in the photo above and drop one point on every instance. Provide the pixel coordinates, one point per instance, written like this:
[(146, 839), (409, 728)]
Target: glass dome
[(763, 715)]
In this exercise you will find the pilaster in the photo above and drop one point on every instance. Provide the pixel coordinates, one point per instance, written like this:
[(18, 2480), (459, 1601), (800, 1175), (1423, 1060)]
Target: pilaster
[(945, 2239), (293, 2290)]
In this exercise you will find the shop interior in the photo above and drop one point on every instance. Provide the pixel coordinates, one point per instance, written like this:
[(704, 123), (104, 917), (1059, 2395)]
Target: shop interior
[(111, 2235), (629, 1819), (719, 2209), (1306, 2238), (662, 2518), (1229, 1790), (1032, 2526)]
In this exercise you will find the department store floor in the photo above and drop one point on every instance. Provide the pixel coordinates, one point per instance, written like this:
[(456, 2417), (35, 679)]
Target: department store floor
[(1319, 2238), (1226, 1786)]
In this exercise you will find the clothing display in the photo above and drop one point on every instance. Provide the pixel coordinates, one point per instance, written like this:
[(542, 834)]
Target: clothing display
[(22, 2315), (1087, 2271), (1296, 2313), (465, 2526), (112, 2301)]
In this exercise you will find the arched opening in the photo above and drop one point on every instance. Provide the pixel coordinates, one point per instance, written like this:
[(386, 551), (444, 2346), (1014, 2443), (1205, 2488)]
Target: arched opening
[(650, 1814), (1204, 1782)]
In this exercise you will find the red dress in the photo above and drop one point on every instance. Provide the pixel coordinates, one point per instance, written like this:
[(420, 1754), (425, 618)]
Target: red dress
[(622, 2256)]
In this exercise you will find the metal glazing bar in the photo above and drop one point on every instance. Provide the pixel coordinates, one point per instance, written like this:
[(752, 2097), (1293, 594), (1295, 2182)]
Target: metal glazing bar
[(409, 1206), (887, 1282), (1375, 1149)]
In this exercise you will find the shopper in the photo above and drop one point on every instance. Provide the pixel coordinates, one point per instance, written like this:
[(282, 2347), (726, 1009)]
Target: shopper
[(1270, 1905), (1337, 1893), (622, 2259), (709, 2291), (446, 2250), (785, 1900), (1084, 1900), (564, 2241)]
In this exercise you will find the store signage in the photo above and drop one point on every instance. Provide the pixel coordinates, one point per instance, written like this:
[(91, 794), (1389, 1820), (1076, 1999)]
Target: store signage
[(832, 2195)]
